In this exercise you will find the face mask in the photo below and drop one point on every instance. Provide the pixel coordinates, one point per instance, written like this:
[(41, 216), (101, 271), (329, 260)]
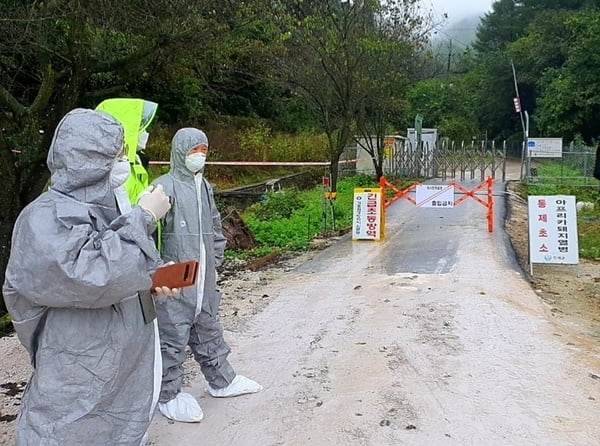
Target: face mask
[(143, 140), (195, 162), (119, 173)]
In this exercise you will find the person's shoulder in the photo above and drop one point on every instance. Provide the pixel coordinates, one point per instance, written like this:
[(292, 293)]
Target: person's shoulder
[(42, 204), (42, 209)]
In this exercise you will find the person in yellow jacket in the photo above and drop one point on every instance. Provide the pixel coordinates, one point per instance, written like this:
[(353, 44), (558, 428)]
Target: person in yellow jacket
[(136, 116)]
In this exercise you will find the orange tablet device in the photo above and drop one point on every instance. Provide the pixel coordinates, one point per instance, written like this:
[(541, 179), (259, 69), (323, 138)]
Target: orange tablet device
[(177, 275)]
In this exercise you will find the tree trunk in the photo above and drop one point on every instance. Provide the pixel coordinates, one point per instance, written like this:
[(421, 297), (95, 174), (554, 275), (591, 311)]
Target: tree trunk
[(235, 230)]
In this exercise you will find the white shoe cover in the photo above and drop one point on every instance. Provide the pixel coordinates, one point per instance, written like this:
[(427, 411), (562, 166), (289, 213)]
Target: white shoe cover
[(239, 386), (183, 408)]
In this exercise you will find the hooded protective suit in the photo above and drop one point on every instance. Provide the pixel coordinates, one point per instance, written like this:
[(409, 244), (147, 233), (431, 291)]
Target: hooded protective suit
[(71, 288), (192, 230), (136, 116)]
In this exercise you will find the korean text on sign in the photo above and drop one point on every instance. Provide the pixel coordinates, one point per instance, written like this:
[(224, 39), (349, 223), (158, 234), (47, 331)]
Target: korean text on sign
[(553, 229), (367, 215)]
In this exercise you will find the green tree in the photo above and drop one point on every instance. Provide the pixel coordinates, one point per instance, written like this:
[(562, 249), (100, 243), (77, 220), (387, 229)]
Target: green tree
[(511, 31), (447, 103), (388, 70), (569, 102), (329, 45)]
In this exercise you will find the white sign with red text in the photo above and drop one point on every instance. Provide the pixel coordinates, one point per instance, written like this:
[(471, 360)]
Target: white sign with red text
[(368, 215), (553, 229), (434, 196)]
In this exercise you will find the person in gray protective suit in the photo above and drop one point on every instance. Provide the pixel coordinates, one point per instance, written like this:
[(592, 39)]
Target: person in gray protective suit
[(192, 230), (78, 290)]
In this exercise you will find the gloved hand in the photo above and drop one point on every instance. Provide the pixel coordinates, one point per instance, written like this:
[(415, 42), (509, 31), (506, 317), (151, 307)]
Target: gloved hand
[(164, 292), (155, 201)]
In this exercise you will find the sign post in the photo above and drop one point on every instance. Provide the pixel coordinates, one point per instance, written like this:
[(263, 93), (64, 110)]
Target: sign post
[(545, 147), (418, 127)]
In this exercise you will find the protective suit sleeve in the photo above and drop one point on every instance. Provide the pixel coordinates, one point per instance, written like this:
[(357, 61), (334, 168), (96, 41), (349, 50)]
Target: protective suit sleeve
[(69, 263), (220, 239)]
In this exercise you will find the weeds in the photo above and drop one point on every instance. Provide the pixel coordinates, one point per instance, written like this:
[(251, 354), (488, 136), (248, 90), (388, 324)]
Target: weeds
[(290, 219)]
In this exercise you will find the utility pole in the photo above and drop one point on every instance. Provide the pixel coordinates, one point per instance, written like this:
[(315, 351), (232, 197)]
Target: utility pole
[(524, 151), (449, 56), (518, 97)]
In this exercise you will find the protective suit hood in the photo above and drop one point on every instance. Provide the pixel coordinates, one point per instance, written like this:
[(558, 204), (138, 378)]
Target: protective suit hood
[(136, 116), (184, 140), (80, 161)]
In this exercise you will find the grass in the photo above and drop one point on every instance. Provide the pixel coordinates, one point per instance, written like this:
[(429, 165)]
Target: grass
[(6, 326), (290, 219)]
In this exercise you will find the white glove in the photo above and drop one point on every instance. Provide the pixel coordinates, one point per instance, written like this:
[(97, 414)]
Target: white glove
[(155, 201), (163, 291)]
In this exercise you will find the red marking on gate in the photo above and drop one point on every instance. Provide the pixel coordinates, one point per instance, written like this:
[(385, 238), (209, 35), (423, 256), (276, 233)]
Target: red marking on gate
[(487, 184), (432, 197)]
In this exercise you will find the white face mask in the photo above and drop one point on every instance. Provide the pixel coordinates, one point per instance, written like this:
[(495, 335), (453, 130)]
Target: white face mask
[(143, 140), (195, 162), (119, 173)]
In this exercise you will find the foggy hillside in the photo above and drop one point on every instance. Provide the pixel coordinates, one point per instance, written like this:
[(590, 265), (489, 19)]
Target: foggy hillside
[(462, 33)]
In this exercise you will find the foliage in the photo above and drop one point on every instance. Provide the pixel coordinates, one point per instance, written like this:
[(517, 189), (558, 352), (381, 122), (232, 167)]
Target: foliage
[(447, 104), (250, 254), (338, 57), (550, 42), (570, 98), (260, 143), (5, 325), (277, 205), (588, 228), (289, 220), (385, 75)]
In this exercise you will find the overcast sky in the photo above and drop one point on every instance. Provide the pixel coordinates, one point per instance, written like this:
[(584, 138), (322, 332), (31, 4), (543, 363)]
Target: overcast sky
[(457, 9)]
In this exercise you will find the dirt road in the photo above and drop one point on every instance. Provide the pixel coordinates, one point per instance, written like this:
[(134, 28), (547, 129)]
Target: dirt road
[(429, 337)]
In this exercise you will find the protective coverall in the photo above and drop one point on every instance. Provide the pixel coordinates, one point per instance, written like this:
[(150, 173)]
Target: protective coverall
[(136, 116), (192, 230), (71, 288)]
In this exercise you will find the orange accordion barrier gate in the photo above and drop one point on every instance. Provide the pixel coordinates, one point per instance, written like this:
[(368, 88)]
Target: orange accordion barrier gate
[(487, 185)]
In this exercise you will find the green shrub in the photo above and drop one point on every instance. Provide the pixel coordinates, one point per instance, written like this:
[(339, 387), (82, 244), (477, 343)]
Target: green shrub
[(277, 205), (290, 219)]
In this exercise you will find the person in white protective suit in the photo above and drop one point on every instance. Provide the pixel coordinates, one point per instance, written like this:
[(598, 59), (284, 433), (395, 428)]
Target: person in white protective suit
[(192, 230), (78, 290)]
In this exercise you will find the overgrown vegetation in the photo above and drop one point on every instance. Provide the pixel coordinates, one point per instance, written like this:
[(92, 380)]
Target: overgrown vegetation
[(288, 220)]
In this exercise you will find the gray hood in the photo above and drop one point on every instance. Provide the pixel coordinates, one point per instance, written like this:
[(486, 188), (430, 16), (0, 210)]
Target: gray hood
[(84, 149), (184, 140)]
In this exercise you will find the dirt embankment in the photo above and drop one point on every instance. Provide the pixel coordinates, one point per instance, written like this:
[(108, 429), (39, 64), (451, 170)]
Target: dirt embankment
[(571, 291)]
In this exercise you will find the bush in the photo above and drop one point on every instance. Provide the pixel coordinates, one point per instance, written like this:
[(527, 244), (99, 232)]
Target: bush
[(290, 219), (277, 205)]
